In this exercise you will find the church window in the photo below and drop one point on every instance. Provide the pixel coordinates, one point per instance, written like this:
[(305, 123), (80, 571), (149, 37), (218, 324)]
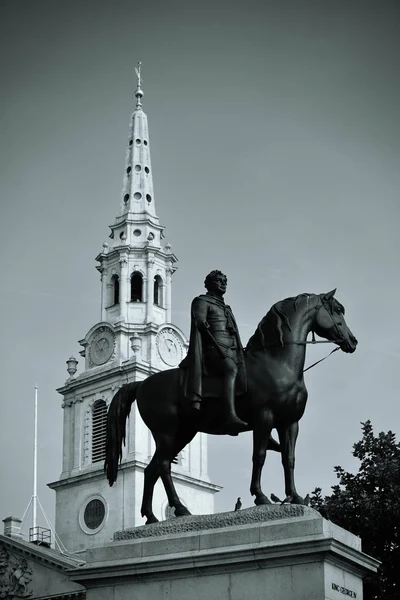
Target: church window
[(138, 168), (145, 142), (137, 232), (130, 142), (115, 282), (138, 141), (99, 425), (147, 170), (158, 288), (136, 287), (128, 171), (94, 513), (148, 197), (137, 195), (126, 198)]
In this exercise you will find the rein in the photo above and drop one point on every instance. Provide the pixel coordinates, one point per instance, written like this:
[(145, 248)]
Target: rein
[(314, 341), (321, 359)]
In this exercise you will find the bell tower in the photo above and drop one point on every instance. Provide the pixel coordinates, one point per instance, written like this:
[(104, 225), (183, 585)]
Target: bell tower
[(134, 339)]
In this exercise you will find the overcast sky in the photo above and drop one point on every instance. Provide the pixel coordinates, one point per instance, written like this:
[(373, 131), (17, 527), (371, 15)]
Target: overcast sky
[(274, 136)]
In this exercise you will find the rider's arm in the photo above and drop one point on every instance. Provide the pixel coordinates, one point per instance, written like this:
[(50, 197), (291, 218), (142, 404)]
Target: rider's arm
[(199, 314)]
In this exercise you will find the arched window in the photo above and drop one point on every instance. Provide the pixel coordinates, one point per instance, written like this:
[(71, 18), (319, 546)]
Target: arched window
[(115, 282), (136, 287), (158, 288), (99, 424)]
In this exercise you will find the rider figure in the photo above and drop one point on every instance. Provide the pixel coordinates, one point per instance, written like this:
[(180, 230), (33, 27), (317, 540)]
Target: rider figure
[(215, 349)]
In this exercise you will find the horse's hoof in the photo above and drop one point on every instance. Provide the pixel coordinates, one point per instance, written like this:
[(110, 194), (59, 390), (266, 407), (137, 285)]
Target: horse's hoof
[(262, 500), (182, 511), (151, 520)]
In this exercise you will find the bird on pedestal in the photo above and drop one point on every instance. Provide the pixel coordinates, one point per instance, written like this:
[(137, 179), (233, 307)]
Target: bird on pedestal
[(238, 504)]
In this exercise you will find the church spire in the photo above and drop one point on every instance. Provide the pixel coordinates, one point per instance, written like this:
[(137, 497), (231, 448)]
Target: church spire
[(137, 192), (137, 266)]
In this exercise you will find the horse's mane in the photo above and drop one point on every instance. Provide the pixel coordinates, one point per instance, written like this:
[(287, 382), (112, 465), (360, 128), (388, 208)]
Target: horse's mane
[(271, 326), (278, 316)]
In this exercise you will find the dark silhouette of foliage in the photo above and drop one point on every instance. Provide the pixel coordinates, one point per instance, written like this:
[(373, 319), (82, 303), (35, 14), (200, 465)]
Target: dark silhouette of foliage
[(368, 505)]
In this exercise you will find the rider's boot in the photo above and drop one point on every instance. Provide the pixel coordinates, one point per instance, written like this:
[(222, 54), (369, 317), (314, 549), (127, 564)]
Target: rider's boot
[(231, 421)]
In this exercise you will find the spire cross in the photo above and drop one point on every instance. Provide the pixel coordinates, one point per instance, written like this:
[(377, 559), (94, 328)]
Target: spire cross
[(137, 69)]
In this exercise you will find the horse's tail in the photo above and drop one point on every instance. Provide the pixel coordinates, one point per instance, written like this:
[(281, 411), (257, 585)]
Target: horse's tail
[(117, 415)]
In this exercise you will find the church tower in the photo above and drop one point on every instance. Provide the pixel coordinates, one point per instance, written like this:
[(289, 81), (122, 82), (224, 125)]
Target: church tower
[(134, 339)]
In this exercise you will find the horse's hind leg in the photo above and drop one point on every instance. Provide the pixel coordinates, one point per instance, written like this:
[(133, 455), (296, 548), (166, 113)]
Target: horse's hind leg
[(261, 435), (150, 478), (287, 437)]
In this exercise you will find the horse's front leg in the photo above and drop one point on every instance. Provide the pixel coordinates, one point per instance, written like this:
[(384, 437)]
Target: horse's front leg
[(168, 449), (261, 435), (287, 437)]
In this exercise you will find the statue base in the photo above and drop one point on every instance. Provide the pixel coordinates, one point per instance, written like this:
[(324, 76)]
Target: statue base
[(284, 552)]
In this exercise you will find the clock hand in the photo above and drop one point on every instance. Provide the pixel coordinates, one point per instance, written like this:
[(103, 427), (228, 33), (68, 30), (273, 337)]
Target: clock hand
[(170, 345)]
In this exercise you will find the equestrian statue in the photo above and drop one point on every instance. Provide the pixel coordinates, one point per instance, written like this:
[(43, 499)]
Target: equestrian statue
[(222, 389)]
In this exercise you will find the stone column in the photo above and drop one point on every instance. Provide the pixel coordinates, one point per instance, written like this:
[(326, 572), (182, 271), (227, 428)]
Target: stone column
[(123, 288), (103, 279), (67, 436), (77, 438), (168, 294), (149, 291)]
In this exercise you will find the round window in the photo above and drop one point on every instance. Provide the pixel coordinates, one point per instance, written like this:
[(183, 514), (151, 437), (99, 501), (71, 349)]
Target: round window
[(94, 514)]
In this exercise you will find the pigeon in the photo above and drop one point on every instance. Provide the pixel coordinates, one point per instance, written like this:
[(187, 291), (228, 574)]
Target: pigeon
[(238, 504), (275, 499), (288, 499)]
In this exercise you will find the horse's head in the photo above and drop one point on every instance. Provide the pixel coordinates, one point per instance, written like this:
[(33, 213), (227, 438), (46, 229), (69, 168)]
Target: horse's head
[(330, 324)]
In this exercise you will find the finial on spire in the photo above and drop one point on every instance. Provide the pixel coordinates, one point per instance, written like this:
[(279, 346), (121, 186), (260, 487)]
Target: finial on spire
[(138, 93), (137, 69)]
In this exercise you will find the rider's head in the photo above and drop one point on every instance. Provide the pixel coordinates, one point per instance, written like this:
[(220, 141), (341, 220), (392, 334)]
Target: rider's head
[(216, 282)]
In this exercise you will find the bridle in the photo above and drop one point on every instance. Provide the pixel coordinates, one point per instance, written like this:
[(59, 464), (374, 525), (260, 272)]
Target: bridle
[(314, 341)]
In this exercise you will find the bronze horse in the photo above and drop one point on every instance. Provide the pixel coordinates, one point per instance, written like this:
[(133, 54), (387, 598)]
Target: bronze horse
[(276, 398)]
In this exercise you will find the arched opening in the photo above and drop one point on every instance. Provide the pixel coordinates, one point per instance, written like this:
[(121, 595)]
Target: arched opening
[(99, 426), (136, 287), (158, 289), (115, 289)]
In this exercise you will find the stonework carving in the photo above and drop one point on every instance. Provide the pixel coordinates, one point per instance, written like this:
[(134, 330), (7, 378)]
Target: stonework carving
[(15, 576)]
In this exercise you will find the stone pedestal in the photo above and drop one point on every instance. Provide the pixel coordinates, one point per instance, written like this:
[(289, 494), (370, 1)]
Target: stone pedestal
[(278, 552)]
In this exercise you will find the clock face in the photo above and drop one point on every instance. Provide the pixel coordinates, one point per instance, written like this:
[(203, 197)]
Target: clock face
[(101, 346), (169, 346)]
